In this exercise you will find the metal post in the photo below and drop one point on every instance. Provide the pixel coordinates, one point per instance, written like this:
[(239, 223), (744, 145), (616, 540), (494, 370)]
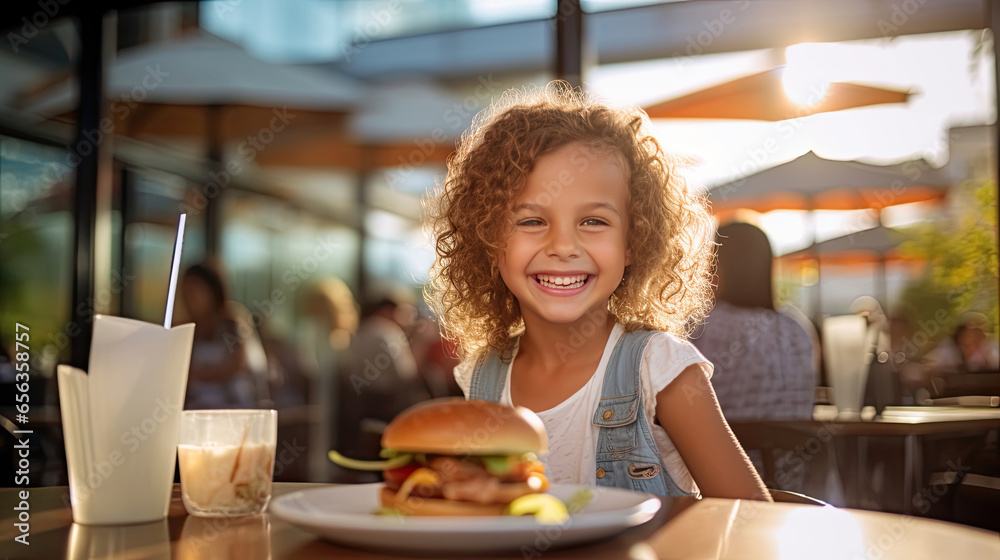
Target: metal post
[(569, 42), (126, 301), (361, 211), (818, 293), (882, 282), (994, 7), (93, 169), (213, 210)]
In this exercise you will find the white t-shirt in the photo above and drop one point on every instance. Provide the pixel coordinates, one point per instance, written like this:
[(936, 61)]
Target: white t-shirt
[(569, 424)]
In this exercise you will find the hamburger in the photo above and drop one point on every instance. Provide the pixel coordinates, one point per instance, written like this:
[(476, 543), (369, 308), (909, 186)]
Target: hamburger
[(458, 457)]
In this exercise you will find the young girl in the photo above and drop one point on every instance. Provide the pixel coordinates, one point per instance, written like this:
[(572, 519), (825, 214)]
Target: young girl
[(570, 262)]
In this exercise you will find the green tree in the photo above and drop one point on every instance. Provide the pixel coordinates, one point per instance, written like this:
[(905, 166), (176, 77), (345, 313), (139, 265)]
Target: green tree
[(961, 266)]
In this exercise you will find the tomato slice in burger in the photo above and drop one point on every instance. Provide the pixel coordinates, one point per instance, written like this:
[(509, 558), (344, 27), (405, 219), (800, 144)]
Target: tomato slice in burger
[(401, 473)]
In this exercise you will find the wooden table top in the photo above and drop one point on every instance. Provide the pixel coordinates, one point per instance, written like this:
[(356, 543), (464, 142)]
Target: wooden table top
[(698, 529)]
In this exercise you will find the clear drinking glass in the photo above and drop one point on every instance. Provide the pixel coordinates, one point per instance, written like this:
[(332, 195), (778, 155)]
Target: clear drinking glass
[(226, 460)]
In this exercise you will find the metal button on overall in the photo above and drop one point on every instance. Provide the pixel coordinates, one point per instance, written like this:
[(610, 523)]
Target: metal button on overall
[(608, 414), (600, 473)]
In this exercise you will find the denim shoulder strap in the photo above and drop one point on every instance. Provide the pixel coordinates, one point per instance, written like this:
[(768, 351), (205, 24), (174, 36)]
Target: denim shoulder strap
[(488, 377), (627, 456), (621, 394)]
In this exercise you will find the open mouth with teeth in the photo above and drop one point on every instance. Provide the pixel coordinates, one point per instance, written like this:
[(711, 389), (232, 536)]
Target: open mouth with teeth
[(562, 282)]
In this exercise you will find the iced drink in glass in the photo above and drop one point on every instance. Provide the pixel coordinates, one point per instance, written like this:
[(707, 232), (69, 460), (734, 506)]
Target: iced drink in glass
[(226, 460)]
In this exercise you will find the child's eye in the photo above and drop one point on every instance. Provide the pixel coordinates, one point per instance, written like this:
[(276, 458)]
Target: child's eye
[(530, 222), (594, 222)]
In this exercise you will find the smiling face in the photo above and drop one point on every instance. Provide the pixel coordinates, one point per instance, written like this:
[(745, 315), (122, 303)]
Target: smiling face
[(567, 250)]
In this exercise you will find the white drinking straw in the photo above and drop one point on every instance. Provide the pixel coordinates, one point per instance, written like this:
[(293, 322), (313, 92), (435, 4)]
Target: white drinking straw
[(175, 265)]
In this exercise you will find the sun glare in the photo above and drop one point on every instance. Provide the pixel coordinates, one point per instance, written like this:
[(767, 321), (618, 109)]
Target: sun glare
[(952, 75), (805, 79), (820, 533)]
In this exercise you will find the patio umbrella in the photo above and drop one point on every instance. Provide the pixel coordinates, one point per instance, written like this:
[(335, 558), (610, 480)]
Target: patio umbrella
[(869, 245), (403, 125), (811, 182), (341, 152), (205, 88), (762, 97), (878, 240), (408, 123)]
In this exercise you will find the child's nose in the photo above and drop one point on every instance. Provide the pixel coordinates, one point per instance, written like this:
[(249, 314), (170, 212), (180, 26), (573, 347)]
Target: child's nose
[(563, 243)]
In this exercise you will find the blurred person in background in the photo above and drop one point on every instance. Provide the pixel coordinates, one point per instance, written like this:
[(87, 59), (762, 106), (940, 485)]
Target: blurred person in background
[(288, 389), (883, 384), (330, 320), (971, 348), (765, 366), (328, 323), (287, 381), (381, 378), (436, 358), (912, 374), (220, 375)]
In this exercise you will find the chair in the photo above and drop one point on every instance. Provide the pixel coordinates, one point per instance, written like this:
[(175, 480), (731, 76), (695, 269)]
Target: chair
[(977, 499), (784, 496), (812, 455)]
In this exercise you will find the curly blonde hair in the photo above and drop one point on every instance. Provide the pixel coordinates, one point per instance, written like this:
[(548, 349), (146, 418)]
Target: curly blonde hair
[(667, 286)]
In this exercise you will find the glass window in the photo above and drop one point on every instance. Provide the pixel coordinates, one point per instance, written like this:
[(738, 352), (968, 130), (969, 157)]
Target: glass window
[(317, 30), (31, 63), (36, 250), (396, 249), (273, 252), (151, 202), (591, 6)]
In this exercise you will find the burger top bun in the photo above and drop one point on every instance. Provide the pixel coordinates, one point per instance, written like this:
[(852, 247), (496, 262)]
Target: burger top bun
[(455, 426)]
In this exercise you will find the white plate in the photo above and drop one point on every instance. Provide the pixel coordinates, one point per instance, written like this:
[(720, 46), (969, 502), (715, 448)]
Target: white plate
[(344, 514)]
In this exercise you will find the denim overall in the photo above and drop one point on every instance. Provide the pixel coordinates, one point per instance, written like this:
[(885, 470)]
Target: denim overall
[(626, 456)]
